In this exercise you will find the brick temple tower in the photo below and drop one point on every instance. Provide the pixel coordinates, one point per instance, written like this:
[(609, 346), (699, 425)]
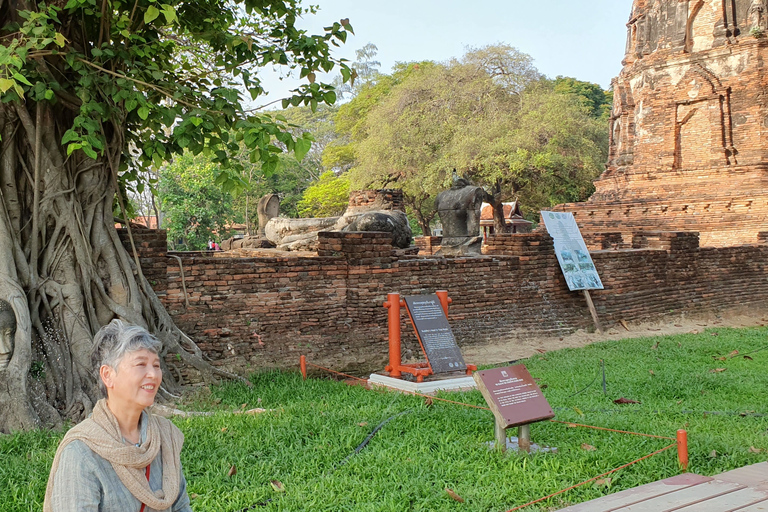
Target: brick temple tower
[(689, 127)]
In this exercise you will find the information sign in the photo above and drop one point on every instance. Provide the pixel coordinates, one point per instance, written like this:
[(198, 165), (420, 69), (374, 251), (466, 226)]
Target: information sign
[(513, 396), (435, 334), (572, 253)]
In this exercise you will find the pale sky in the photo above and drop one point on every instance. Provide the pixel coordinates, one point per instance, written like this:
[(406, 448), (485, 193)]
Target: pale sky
[(577, 38)]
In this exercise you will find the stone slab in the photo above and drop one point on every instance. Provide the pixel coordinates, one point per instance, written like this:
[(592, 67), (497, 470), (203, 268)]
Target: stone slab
[(426, 387)]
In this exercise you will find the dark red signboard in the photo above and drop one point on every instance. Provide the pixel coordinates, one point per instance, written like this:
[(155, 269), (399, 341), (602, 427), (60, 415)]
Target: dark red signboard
[(435, 333), (513, 396)]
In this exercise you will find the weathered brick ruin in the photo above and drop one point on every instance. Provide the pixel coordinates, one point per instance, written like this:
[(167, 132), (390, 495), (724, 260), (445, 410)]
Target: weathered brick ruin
[(689, 128), (676, 227), (249, 313)]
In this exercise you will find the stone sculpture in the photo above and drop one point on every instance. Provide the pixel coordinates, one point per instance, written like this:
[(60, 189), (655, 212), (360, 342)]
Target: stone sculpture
[(7, 333), (368, 210), (297, 234), (757, 16), (301, 234), (459, 210), (268, 208), (393, 221)]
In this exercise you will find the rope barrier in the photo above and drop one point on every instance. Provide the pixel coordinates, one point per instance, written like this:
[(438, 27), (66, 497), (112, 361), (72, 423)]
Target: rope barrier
[(569, 424), (592, 479)]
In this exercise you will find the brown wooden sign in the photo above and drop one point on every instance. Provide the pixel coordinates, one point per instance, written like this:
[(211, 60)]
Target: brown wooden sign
[(513, 396), (435, 334)]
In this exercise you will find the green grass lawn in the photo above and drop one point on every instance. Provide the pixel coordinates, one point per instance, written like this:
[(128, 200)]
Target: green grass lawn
[(312, 426)]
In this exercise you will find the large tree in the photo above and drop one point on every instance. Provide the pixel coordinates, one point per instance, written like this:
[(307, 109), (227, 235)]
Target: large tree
[(92, 92), (493, 118)]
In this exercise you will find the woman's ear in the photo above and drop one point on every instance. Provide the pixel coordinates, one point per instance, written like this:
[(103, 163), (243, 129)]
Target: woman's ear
[(107, 374)]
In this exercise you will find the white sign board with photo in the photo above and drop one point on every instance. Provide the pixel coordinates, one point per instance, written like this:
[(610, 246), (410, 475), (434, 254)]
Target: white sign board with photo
[(571, 251)]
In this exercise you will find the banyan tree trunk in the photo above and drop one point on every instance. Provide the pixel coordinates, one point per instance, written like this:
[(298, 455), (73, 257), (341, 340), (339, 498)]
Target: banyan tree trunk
[(64, 270)]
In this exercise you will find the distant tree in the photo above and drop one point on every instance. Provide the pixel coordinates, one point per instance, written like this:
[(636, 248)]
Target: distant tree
[(594, 97), (508, 66), (365, 71), (196, 210), (514, 135), (350, 121), (327, 197)]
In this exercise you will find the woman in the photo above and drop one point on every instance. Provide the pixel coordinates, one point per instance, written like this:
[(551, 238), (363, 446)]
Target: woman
[(121, 459)]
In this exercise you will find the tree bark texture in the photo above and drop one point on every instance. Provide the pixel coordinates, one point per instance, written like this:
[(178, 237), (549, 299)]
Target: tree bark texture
[(64, 270)]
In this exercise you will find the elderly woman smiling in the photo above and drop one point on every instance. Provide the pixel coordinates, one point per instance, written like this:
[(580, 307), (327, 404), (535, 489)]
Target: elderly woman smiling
[(121, 458)]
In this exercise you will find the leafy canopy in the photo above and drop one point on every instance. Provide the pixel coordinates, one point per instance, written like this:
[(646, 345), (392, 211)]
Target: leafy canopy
[(327, 197), (489, 115), (195, 209), (158, 77)]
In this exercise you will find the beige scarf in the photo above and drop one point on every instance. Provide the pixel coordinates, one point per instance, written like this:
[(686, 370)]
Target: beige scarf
[(101, 433)]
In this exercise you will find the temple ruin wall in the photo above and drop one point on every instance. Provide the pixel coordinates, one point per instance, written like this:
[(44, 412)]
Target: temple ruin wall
[(253, 313)]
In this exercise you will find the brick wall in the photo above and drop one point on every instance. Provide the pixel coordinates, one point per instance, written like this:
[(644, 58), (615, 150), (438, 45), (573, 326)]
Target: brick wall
[(383, 199), (152, 247), (428, 245), (251, 313)]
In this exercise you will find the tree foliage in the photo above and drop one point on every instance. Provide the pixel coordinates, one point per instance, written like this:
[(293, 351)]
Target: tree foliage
[(92, 93), (195, 208), (491, 116), (327, 197)]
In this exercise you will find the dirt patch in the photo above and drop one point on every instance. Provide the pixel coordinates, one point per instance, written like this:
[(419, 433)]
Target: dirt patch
[(529, 345)]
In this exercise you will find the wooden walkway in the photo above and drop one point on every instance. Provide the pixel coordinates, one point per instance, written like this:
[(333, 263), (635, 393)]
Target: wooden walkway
[(742, 490)]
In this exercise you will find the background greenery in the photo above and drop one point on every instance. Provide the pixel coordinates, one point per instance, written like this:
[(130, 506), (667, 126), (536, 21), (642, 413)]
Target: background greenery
[(489, 114)]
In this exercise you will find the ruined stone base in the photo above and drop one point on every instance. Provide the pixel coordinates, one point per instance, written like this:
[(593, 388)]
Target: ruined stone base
[(426, 387), (461, 246)]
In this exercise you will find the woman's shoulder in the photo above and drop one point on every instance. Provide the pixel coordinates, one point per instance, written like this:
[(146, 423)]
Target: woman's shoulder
[(168, 426), (77, 455)]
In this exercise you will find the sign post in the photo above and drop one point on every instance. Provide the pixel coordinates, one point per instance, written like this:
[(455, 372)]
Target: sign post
[(515, 400), (429, 315), (574, 258)]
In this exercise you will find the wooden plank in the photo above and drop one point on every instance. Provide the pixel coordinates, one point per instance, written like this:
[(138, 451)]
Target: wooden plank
[(728, 502), (685, 497), (593, 311), (639, 494), (758, 507), (755, 475)]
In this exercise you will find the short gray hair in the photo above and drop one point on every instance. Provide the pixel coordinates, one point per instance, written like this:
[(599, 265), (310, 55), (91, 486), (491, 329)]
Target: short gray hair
[(114, 341)]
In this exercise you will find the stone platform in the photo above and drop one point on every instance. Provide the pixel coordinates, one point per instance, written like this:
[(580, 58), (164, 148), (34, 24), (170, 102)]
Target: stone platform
[(426, 387)]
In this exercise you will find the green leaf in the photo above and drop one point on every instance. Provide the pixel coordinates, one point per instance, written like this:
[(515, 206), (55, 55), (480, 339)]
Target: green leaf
[(21, 78), (302, 148), (5, 84), (69, 136), (60, 39), (170, 13), (151, 13), (49, 94), (330, 97), (143, 113), (90, 152)]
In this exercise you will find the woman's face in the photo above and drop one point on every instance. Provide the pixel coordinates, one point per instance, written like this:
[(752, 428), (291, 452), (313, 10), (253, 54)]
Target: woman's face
[(136, 379)]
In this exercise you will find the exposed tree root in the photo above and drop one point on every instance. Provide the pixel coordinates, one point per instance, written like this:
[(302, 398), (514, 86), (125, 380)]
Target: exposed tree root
[(65, 272)]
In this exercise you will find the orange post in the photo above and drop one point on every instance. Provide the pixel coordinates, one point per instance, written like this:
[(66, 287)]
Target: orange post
[(682, 449), (393, 321), (303, 366), (445, 300)]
